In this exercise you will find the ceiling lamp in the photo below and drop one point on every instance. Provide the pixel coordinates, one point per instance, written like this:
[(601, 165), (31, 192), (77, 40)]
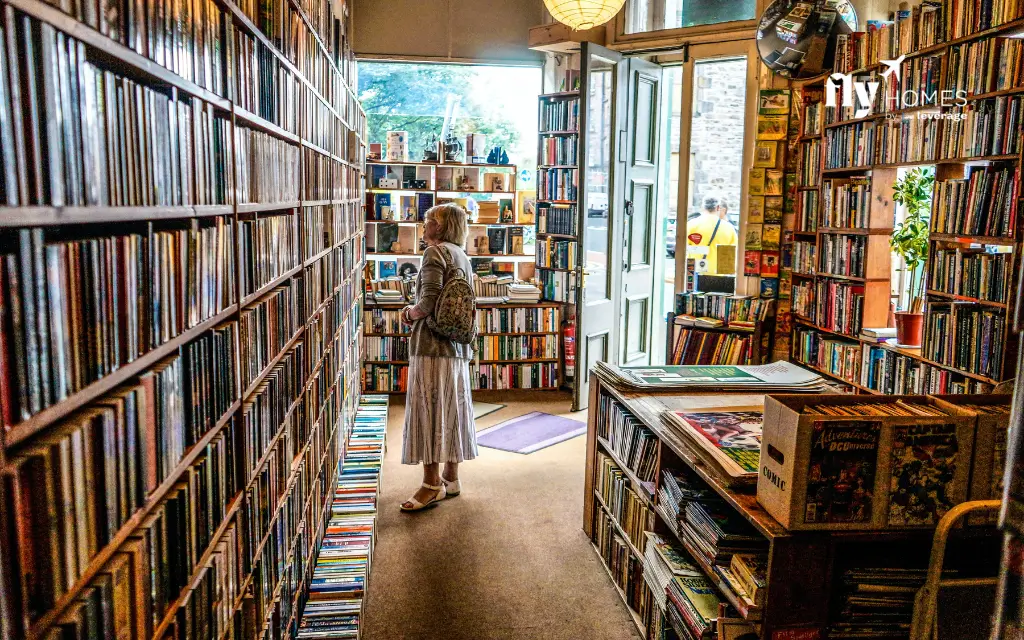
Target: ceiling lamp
[(583, 14)]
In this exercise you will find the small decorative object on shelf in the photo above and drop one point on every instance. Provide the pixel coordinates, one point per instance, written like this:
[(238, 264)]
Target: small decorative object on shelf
[(452, 148), (430, 150)]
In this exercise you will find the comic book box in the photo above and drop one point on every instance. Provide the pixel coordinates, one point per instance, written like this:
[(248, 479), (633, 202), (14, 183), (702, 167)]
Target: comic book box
[(899, 469)]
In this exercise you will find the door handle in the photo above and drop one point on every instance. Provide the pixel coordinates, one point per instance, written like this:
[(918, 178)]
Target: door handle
[(627, 232)]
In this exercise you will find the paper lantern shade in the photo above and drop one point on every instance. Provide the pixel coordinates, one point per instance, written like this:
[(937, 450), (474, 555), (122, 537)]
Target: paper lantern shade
[(583, 14)]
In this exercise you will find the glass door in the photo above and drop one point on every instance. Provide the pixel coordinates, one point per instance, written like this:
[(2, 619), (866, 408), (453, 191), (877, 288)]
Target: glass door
[(600, 240)]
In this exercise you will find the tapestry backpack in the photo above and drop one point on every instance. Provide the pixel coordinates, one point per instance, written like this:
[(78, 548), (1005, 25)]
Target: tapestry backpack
[(454, 314)]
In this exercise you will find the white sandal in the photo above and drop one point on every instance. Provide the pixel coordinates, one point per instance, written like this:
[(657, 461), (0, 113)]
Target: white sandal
[(452, 487), (419, 506)]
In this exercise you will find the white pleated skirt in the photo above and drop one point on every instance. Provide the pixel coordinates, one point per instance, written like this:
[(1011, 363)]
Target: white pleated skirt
[(439, 423)]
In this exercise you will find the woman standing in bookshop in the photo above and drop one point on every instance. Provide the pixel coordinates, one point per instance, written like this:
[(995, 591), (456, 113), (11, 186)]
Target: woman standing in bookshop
[(439, 424)]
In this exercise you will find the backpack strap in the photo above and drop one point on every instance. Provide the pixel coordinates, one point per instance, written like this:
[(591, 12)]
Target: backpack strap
[(449, 261)]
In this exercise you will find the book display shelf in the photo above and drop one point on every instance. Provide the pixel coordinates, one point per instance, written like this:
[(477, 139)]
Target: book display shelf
[(399, 194), (558, 150), (518, 347), (845, 210), (711, 328), (646, 482), (181, 260)]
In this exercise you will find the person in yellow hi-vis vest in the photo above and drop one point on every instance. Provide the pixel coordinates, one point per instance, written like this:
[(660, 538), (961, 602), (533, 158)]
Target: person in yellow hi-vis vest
[(710, 229)]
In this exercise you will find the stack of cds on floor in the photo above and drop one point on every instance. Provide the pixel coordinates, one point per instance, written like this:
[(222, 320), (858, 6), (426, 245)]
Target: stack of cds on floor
[(343, 566)]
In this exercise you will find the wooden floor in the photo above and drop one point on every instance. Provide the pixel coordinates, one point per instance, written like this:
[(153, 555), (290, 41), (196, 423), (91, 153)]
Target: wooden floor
[(507, 559)]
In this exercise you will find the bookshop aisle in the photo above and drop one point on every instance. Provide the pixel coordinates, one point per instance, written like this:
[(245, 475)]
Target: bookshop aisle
[(506, 559)]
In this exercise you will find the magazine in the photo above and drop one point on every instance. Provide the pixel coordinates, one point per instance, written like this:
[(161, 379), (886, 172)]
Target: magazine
[(732, 437), (775, 377)]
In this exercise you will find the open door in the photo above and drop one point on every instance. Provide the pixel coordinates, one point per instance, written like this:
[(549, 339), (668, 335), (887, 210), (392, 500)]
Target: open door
[(601, 80), (640, 209)]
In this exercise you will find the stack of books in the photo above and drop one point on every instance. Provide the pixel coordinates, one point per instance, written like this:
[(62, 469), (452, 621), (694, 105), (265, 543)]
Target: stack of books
[(491, 288), (343, 564), (663, 561), (523, 292), (693, 607), (878, 603), (488, 212), (389, 295)]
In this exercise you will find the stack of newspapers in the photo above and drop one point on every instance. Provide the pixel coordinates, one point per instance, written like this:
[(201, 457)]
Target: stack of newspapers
[(777, 377)]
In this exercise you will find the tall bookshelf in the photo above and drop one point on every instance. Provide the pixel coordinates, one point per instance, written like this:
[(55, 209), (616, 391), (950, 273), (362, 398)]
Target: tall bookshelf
[(182, 244), (972, 272)]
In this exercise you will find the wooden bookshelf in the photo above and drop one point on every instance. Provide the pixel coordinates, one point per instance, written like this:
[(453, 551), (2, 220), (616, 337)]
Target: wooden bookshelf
[(805, 569), (375, 360), (966, 371), (212, 205)]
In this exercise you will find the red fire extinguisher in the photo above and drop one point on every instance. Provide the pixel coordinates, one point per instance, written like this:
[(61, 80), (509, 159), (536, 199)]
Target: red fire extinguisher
[(569, 341)]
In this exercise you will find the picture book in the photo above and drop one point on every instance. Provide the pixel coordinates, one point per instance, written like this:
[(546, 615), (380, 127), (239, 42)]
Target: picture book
[(387, 236), (771, 235), (423, 202), (785, 283), (772, 127), (772, 182), (526, 206), (407, 208), (773, 102), (755, 210), (753, 239), (408, 267), (751, 263), (757, 181), (769, 264), (923, 468), (732, 437), (766, 153), (515, 241), (773, 209), (769, 287), (841, 471), (496, 240), (387, 268), (382, 206), (408, 239)]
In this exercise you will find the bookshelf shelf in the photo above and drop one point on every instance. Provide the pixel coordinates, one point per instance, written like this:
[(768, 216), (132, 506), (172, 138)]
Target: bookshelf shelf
[(843, 123), (965, 239), (251, 119), (53, 216), (959, 298), (638, 487), (560, 94), (615, 522), (260, 207), (633, 615), (842, 170), (270, 286)]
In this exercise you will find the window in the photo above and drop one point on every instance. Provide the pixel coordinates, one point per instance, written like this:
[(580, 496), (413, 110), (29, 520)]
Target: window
[(643, 16), (499, 102)]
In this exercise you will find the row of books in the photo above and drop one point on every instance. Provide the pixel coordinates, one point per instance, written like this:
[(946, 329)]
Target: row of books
[(518, 347), (802, 299), (807, 211), (985, 66), (558, 150), (265, 86), (842, 255), (629, 440), (401, 207), (989, 127), (334, 271), (892, 373), (805, 258), (542, 375), (877, 602), (838, 306), (557, 254), (983, 203), (966, 17), (850, 146), (518, 320), (557, 184), (265, 329), (625, 567), (557, 219), (905, 32), (918, 77), (966, 337), (383, 348), (85, 136), (559, 115), (557, 286), (268, 248), (846, 203), (813, 118), (838, 358), (733, 310), (492, 286), (75, 311), (910, 138), (810, 164), (323, 226), (338, 586), (385, 377), (970, 273), (630, 513), (694, 346), (268, 167), (496, 241), (319, 180)]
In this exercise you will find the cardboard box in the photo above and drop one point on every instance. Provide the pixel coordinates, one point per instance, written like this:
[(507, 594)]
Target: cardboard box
[(862, 472), (988, 462)]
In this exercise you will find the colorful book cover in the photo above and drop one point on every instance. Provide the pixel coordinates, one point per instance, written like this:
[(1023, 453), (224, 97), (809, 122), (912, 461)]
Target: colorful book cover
[(388, 268), (773, 102), (785, 283), (757, 181), (507, 210), (924, 463), (773, 209), (772, 127), (769, 264), (771, 235), (769, 287), (766, 153), (751, 263), (773, 182), (753, 239), (841, 471), (737, 434), (755, 210)]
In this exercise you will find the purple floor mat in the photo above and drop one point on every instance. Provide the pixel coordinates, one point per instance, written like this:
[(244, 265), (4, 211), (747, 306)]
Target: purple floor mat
[(531, 432)]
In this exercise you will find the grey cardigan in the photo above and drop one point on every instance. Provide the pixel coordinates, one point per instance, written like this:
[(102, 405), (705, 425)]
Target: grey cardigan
[(423, 341)]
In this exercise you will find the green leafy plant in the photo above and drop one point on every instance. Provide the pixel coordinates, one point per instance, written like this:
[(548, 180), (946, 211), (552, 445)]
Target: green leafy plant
[(910, 238)]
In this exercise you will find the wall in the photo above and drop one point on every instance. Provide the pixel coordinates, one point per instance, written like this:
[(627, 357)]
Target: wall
[(447, 30)]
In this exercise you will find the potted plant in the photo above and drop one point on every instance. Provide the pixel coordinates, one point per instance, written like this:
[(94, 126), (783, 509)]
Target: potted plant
[(910, 241)]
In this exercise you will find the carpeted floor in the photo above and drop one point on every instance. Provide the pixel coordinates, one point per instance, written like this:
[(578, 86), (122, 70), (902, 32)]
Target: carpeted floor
[(507, 559)]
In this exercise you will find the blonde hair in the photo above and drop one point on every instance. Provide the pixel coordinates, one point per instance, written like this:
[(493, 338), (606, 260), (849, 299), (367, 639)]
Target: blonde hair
[(452, 223)]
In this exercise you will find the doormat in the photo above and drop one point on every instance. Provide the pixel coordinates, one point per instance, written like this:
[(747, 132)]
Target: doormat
[(481, 409), (531, 432)]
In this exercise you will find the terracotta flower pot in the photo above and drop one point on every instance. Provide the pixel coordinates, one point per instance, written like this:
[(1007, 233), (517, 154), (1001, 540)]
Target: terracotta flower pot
[(908, 328)]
